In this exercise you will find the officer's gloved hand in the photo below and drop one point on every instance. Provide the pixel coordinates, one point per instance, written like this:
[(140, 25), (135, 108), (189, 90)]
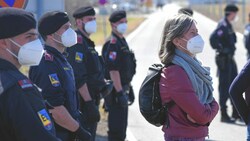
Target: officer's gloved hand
[(92, 112), (121, 98), (106, 90), (131, 96), (83, 134)]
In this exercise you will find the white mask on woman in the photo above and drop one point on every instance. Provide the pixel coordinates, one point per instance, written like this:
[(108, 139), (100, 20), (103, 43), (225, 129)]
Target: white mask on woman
[(30, 54), (90, 27), (68, 38), (195, 45), (121, 28)]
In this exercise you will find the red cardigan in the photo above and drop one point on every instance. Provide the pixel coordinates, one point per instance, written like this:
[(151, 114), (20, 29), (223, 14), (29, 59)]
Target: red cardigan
[(175, 85)]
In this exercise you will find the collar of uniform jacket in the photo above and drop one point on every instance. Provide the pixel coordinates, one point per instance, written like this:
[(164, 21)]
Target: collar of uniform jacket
[(6, 65), (117, 36), (54, 52), (227, 22), (89, 42)]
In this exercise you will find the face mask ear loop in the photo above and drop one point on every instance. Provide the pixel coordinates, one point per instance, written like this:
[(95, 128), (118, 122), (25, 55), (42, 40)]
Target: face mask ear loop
[(15, 43), (57, 40), (11, 53)]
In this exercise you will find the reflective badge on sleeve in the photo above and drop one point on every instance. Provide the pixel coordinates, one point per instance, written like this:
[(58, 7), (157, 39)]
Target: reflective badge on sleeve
[(78, 57), (219, 32), (112, 55), (25, 83), (44, 117), (54, 80)]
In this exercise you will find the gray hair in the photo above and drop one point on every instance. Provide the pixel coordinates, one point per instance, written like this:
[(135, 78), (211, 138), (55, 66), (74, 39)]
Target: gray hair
[(174, 27)]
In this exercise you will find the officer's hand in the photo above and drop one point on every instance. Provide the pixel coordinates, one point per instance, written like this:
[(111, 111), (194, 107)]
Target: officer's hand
[(106, 90), (83, 134), (131, 96), (122, 99), (92, 112)]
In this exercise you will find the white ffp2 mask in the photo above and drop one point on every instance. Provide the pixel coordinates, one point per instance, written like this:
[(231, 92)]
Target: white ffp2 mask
[(122, 28), (90, 27), (68, 38), (30, 54)]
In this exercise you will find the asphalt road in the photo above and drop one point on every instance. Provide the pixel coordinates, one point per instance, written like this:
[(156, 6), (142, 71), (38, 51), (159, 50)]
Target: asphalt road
[(145, 42)]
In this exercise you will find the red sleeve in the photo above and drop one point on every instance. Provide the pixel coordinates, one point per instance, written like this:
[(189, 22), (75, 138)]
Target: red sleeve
[(175, 85)]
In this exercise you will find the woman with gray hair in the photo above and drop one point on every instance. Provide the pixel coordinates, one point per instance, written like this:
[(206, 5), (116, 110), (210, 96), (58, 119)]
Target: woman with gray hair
[(185, 81)]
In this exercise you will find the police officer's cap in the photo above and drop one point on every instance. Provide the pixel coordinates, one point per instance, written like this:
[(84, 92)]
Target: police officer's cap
[(187, 11), (84, 11), (14, 21), (117, 15), (231, 8), (51, 22)]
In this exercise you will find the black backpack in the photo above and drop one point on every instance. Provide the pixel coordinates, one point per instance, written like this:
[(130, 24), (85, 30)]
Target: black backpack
[(149, 98)]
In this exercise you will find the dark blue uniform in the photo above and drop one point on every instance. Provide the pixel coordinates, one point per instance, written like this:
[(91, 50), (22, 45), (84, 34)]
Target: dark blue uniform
[(87, 69), (23, 116), (247, 39), (54, 76), (223, 40), (118, 57)]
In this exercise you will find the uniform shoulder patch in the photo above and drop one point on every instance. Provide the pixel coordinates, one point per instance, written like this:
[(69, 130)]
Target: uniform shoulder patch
[(113, 40), (54, 80), (220, 32), (45, 118), (79, 39), (48, 56), (25, 83), (112, 55), (78, 57)]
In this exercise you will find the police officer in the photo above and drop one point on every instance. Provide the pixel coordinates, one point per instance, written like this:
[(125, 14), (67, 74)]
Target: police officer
[(120, 63), (87, 68), (247, 37), (23, 115), (223, 40), (54, 76)]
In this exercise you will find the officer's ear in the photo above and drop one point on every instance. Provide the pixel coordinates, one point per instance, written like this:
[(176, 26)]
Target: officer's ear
[(3, 43), (49, 37), (78, 22), (113, 25)]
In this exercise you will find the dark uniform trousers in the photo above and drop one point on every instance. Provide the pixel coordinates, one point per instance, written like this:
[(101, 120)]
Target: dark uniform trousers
[(117, 119)]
